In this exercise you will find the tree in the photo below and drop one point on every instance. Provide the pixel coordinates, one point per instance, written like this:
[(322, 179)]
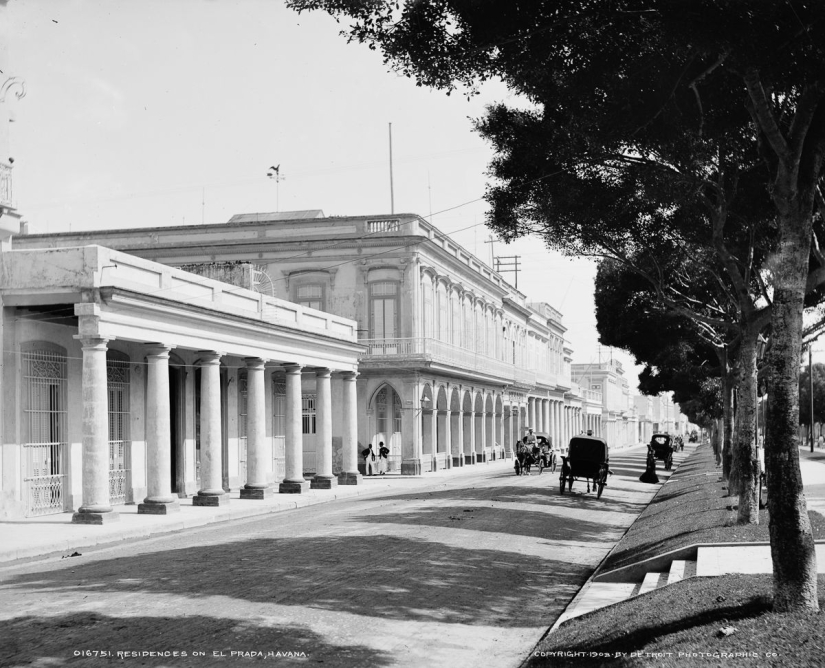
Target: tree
[(617, 81), (805, 395)]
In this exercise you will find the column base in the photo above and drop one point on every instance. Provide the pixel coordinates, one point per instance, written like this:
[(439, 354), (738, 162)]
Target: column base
[(158, 507), (256, 493), (350, 478), (481, 458), (210, 499), (288, 487), (411, 467), (323, 482), (81, 517), (458, 461)]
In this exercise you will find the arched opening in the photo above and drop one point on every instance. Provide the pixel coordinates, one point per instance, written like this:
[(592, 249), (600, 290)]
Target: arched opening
[(388, 412), (442, 431), (468, 431), (478, 427), (427, 410), (455, 456)]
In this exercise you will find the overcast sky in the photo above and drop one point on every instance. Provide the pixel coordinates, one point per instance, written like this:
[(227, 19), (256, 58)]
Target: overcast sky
[(150, 113)]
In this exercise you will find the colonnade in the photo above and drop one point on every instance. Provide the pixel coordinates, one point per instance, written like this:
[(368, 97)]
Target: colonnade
[(96, 507)]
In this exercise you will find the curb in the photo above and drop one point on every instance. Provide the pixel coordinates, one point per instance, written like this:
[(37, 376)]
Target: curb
[(596, 573)]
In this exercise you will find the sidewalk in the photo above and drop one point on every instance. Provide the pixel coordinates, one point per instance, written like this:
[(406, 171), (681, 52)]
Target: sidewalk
[(55, 534)]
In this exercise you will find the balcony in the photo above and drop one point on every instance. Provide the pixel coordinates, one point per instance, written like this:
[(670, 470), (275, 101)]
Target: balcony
[(423, 350)]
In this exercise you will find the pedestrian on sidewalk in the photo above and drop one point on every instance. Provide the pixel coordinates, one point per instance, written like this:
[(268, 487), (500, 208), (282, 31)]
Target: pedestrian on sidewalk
[(383, 454), (369, 460)]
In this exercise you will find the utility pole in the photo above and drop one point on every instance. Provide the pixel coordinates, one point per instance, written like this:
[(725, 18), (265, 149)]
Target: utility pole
[(508, 264), (392, 194), (491, 240), (811, 381)]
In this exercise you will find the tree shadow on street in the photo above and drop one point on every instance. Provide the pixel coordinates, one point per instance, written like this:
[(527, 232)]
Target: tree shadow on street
[(382, 576)]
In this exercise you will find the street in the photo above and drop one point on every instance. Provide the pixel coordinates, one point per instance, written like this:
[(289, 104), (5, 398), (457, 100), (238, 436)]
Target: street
[(466, 570)]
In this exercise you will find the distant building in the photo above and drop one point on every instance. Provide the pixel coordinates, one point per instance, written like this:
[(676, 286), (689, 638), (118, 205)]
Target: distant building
[(619, 419), (455, 364)]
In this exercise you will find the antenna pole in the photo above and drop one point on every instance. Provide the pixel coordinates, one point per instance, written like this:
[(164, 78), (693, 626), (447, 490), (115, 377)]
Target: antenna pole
[(392, 194)]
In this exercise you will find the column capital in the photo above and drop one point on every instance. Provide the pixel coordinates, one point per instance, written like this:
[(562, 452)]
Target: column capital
[(92, 342), (209, 357), (349, 375), (293, 369), (159, 350), (322, 372), (254, 362)]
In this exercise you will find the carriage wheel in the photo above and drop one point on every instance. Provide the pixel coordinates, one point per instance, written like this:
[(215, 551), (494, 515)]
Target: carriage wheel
[(562, 483)]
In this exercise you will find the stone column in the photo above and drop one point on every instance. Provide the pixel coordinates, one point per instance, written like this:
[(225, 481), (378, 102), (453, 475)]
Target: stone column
[(96, 507), (545, 415), (323, 405), (159, 500), (293, 482), (531, 412), (212, 492), (257, 459), (349, 447)]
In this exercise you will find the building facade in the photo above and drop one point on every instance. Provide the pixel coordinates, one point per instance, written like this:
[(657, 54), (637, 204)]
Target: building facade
[(128, 381), (456, 364)]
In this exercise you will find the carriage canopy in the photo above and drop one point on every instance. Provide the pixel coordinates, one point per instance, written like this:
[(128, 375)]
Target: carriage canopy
[(587, 448)]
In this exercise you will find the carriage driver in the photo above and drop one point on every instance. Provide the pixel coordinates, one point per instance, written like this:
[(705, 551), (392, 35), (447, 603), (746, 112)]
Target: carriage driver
[(530, 439)]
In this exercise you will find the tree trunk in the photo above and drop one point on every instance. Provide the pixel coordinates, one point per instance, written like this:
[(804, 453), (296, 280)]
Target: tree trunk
[(792, 543), (747, 468), (727, 424)]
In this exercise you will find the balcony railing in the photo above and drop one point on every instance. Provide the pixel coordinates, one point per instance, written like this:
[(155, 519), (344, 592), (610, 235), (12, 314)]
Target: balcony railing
[(433, 350)]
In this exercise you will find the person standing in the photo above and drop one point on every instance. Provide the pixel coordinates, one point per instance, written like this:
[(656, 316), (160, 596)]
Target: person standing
[(383, 455), (369, 460)]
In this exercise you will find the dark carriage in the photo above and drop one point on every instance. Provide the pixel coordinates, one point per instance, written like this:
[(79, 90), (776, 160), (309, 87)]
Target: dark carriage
[(547, 455), (662, 447), (587, 457)]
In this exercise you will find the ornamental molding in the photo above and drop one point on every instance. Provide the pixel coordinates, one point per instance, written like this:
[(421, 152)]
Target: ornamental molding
[(9, 84)]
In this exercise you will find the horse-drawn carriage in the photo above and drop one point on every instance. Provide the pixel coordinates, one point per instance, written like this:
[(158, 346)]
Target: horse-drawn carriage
[(587, 457), (541, 454), (662, 447)]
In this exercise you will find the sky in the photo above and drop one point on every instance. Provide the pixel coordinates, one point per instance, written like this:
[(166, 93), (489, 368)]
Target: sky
[(156, 112)]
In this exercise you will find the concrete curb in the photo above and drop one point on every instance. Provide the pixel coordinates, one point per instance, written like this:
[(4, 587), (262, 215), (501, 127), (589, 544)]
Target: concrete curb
[(583, 591)]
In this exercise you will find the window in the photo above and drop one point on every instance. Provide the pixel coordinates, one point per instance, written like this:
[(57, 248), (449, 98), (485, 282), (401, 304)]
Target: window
[(308, 413), (383, 310), (427, 307), (44, 422), (311, 296), (117, 374)]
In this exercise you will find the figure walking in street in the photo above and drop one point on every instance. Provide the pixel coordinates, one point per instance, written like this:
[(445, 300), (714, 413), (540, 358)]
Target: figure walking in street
[(383, 454), (369, 460)]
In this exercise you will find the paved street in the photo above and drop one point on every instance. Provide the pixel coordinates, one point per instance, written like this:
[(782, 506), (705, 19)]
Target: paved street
[(465, 570)]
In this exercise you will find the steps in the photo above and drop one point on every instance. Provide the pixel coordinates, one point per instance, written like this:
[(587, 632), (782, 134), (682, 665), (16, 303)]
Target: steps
[(601, 594)]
